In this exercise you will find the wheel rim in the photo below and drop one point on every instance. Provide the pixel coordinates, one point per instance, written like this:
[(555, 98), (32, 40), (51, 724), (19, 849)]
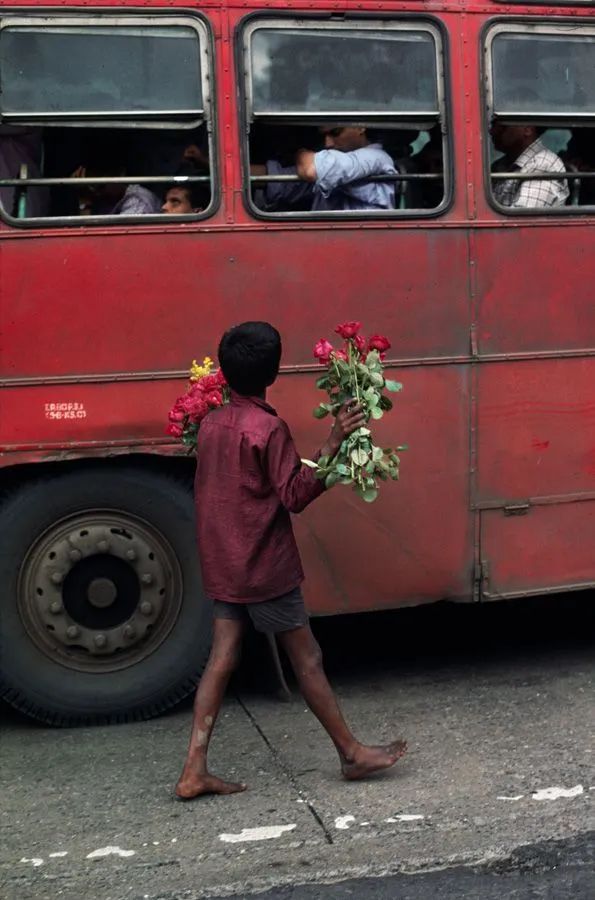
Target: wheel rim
[(100, 591)]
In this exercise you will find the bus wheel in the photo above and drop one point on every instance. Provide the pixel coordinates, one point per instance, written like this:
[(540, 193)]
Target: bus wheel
[(102, 616)]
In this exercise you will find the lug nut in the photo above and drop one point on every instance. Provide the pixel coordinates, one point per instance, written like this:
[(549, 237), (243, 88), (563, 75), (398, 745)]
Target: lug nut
[(146, 608), (147, 578), (75, 555), (100, 640), (131, 554), (72, 632), (129, 632), (103, 546), (57, 577), (56, 607)]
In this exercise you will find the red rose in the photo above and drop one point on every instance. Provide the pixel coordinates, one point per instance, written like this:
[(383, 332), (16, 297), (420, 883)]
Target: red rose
[(360, 343), (198, 411), (322, 351), (348, 329), (379, 342), (221, 380), (214, 399), (208, 383), (340, 354), (174, 430), (177, 415)]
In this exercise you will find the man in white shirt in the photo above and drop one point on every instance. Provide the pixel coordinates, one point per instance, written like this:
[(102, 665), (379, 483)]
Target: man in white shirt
[(524, 152)]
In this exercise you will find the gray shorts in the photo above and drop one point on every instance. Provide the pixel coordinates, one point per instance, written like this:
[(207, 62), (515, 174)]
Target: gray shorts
[(269, 616)]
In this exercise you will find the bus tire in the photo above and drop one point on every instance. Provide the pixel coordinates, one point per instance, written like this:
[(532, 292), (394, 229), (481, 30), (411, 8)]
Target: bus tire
[(102, 613)]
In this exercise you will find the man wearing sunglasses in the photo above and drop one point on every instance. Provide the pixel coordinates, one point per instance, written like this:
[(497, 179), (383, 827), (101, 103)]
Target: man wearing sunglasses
[(340, 175)]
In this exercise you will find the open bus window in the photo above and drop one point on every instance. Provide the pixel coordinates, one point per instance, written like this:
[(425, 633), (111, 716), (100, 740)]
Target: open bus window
[(344, 119), (108, 120), (541, 117)]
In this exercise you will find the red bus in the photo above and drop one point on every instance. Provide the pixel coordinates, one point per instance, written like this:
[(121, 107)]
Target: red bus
[(488, 299)]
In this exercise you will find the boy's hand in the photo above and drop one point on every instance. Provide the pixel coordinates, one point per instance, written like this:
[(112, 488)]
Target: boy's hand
[(349, 418)]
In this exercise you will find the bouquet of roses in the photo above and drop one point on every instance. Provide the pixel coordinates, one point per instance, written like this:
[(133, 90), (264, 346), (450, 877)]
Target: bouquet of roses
[(206, 391), (355, 371)]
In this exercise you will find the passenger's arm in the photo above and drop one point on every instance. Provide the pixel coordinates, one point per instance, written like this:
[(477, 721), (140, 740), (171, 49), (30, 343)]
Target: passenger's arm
[(305, 163), (335, 168)]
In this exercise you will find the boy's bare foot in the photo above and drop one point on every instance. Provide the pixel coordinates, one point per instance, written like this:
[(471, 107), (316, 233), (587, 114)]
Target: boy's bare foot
[(366, 760), (191, 786)]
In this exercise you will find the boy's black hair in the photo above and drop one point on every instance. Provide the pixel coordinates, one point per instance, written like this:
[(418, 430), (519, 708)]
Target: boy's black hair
[(249, 356)]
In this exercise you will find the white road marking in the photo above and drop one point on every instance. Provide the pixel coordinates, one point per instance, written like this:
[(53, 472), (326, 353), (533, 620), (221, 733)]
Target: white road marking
[(343, 822), (35, 861), (264, 833), (406, 817), (101, 852), (60, 853), (557, 793), (518, 797)]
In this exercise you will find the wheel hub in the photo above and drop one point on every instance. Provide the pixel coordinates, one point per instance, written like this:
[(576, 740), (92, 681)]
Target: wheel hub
[(100, 590)]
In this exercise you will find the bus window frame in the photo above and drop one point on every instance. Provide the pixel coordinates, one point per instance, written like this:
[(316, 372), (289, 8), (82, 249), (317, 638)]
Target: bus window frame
[(325, 21), (530, 26), (208, 119)]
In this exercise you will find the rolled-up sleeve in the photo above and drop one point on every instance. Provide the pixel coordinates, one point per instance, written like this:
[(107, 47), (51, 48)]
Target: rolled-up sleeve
[(295, 485), (335, 168)]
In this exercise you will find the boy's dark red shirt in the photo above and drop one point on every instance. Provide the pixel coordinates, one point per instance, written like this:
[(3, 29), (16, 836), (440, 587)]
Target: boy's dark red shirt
[(249, 478)]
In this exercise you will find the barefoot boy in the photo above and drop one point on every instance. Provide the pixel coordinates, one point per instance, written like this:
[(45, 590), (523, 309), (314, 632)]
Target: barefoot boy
[(248, 480)]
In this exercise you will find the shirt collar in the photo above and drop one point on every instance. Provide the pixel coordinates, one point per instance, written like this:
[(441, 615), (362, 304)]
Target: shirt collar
[(241, 400), (528, 154)]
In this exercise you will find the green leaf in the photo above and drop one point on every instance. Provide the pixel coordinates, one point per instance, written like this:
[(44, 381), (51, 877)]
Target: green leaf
[(359, 456), (322, 382), (321, 411), (393, 386), (386, 403), (331, 480), (309, 463), (377, 454), (377, 379), (376, 412), (369, 495), (342, 469)]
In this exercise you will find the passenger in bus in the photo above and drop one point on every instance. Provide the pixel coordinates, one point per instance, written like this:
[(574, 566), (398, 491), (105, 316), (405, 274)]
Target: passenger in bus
[(21, 146), (116, 198), (338, 176), (428, 193), (579, 156), (524, 152), (182, 200)]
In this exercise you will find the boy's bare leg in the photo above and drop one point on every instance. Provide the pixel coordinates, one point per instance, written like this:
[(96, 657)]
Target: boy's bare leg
[(357, 760), (225, 653)]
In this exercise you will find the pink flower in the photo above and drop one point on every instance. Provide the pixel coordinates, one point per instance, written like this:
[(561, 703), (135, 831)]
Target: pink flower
[(379, 342), (322, 351), (221, 381), (340, 354), (348, 329), (174, 430)]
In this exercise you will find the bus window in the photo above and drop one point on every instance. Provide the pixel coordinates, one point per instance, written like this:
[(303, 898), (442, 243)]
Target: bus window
[(120, 113), (344, 119), (540, 104)]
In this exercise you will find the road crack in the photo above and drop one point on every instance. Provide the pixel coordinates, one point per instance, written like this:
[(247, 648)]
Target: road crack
[(287, 771)]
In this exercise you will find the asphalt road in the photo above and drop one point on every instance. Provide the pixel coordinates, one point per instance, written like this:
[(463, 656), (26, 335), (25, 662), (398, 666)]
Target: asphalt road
[(495, 798)]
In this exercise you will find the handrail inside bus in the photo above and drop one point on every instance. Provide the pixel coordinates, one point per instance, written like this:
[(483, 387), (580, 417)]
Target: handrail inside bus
[(116, 179)]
